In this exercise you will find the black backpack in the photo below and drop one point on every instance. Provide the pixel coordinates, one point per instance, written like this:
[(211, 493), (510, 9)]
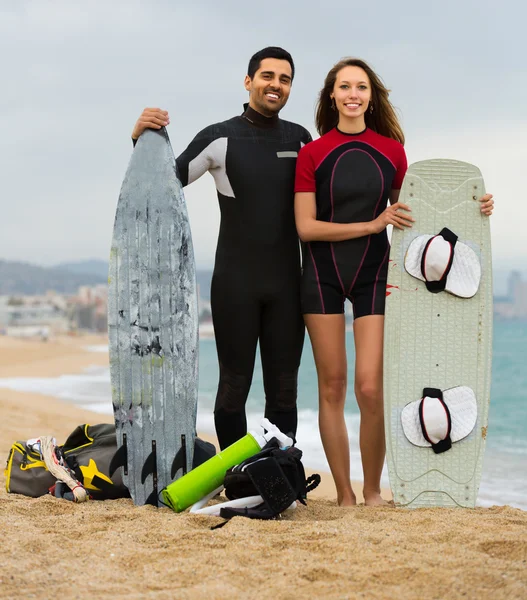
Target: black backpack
[(275, 474)]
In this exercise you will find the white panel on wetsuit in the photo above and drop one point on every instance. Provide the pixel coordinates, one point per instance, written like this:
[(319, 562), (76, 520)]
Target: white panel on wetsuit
[(213, 159)]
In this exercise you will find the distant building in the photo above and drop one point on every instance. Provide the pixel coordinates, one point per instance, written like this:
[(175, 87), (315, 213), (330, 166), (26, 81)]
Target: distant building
[(28, 316), (514, 305), (88, 310), (53, 313)]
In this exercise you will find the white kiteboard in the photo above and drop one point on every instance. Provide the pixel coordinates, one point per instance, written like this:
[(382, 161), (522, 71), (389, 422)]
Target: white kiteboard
[(153, 323), (438, 338)]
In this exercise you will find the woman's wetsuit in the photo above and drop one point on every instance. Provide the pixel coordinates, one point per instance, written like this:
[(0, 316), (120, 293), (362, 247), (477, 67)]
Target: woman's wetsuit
[(255, 294), (352, 175)]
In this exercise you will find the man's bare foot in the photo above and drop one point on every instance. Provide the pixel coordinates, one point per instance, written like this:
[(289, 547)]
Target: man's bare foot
[(375, 499)]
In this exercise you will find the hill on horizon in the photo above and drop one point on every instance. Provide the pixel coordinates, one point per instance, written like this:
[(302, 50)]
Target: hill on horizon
[(17, 277), (92, 266), (32, 280)]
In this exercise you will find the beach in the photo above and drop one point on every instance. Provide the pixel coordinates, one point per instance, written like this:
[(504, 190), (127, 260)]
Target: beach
[(113, 549)]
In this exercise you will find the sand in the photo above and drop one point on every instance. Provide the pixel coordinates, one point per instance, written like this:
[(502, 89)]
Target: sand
[(113, 549)]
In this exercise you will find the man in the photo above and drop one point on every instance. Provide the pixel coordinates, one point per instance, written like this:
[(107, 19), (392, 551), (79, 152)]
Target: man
[(256, 281)]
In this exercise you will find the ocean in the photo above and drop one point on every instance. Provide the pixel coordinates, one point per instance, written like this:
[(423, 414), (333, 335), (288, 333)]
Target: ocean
[(504, 479)]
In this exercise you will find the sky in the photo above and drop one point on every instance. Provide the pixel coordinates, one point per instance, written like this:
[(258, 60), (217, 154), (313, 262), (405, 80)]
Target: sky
[(77, 74)]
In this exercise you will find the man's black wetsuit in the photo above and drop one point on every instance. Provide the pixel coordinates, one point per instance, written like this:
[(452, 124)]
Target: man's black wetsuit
[(255, 294)]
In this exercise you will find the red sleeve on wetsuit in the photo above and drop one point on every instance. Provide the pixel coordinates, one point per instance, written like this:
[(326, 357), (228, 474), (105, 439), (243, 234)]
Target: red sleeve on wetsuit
[(402, 166), (305, 172)]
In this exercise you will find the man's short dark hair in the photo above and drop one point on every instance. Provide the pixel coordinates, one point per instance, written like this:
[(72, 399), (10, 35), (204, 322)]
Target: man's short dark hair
[(269, 52)]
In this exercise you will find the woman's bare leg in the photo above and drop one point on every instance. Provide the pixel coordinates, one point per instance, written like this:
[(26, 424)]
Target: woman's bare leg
[(369, 338), (327, 334)]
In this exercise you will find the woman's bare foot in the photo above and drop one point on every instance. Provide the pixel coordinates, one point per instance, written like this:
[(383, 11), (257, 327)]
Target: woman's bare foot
[(374, 499), (347, 500)]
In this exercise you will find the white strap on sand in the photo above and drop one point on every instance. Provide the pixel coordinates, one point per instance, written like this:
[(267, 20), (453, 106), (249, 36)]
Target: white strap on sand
[(465, 274), (200, 508), (461, 402), (214, 510), (47, 450)]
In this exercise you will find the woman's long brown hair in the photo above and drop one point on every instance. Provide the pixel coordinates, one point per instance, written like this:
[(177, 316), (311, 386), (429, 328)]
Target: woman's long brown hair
[(383, 120)]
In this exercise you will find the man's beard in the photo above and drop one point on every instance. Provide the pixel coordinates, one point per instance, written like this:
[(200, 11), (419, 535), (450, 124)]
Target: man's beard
[(267, 109)]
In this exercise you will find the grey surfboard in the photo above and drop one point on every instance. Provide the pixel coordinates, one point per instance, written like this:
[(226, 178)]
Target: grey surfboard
[(437, 340), (152, 323)]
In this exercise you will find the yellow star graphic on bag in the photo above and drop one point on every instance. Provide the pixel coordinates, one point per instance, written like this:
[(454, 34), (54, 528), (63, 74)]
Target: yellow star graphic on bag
[(91, 471)]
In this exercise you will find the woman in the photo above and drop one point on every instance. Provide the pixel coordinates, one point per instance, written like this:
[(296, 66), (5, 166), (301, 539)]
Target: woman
[(344, 180)]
